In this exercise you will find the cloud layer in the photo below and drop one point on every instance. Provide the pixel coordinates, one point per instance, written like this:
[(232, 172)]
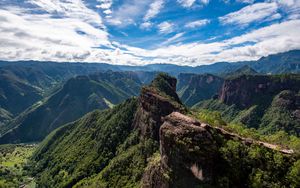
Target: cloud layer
[(70, 30)]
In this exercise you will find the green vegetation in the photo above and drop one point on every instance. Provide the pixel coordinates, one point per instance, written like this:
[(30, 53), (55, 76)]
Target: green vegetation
[(193, 88), (254, 166), (165, 85), (83, 148), (77, 97), (126, 169), (280, 114), (13, 165), (280, 137)]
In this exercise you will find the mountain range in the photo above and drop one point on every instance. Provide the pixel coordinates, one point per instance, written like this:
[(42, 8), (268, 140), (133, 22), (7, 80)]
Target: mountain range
[(287, 62), (101, 125), (152, 142)]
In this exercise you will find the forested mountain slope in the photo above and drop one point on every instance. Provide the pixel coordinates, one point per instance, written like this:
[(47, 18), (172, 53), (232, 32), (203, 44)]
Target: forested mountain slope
[(78, 96), (151, 142)]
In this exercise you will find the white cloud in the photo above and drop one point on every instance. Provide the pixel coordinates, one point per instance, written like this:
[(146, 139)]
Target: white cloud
[(186, 3), (190, 3), (129, 12), (175, 38), (197, 23), (204, 1), (246, 1), (166, 27), (78, 32), (290, 7), (251, 13), (146, 25), (70, 37), (104, 4), (250, 46), (154, 9)]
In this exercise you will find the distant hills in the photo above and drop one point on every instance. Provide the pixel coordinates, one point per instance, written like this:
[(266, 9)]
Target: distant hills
[(193, 88), (77, 97), (50, 93), (287, 62)]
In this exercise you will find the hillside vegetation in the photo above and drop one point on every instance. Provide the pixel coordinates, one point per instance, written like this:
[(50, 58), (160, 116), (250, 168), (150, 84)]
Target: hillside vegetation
[(119, 147)]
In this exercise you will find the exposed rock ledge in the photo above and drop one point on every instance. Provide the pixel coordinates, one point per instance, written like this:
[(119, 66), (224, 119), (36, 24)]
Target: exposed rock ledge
[(189, 152)]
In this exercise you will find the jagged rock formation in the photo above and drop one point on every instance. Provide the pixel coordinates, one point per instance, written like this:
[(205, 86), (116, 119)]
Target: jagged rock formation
[(156, 101), (119, 148), (193, 154)]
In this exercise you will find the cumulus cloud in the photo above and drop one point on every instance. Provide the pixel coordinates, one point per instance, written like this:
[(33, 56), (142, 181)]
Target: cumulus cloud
[(105, 5), (197, 23), (66, 30), (25, 35), (250, 46), (251, 13), (128, 12)]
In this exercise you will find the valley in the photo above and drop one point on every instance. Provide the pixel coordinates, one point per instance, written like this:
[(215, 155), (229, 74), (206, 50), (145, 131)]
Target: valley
[(129, 127)]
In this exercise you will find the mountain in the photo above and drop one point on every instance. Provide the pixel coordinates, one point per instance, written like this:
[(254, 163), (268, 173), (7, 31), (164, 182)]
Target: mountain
[(25, 83), (5, 117), (287, 62), (150, 141), (16, 92), (194, 88), (268, 103), (117, 140), (244, 70), (77, 97)]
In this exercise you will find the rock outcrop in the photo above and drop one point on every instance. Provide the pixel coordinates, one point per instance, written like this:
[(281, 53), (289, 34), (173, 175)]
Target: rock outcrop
[(156, 101), (249, 90), (192, 155)]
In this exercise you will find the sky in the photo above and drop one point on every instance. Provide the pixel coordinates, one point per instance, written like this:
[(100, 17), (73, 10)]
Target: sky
[(139, 32)]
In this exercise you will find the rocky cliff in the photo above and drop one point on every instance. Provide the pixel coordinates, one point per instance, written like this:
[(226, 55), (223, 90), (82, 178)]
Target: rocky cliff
[(151, 142), (248, 90), (156, 101), (194, 154)]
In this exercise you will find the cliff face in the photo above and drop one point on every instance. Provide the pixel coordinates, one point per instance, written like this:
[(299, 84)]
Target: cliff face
[(119, 148), (156, 101), (194, 154), (195, 88), (246, 91)]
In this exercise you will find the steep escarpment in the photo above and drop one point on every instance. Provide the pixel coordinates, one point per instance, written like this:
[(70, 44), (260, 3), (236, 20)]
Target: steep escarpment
[(193, 88), (248, 90), (193, 154), (149, 142), (267, 103), (109, 148), (156, 101)]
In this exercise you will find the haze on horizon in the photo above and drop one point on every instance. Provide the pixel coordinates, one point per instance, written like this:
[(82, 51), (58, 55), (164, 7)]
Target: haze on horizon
[(135, 32)]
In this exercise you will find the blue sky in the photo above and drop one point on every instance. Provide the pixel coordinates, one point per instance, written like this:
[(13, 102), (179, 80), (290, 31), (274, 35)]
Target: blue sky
[(138, 32)]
